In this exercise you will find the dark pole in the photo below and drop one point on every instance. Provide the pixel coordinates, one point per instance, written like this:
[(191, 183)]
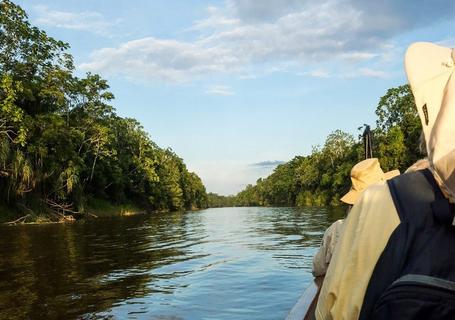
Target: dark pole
[(368, 142)]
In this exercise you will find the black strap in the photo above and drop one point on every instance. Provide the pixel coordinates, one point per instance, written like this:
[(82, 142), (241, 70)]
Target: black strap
[(411, 191), (442, 209), (425, 280), (432, 181)]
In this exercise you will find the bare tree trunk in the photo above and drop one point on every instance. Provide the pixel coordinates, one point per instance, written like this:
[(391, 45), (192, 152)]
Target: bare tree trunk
[(94, 163)]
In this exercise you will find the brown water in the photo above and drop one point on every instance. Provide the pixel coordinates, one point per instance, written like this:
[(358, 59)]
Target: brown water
[(229, 263)]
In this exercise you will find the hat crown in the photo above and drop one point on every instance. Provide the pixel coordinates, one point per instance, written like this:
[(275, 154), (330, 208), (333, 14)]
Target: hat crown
[(365, 173)]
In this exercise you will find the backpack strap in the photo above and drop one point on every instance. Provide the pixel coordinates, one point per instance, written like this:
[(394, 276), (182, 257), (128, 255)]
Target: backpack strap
[(411, 191), (412, 194), (423, 241)]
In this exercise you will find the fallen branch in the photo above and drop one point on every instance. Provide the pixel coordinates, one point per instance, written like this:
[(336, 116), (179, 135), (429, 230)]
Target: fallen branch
[(61, 217), (20, 220), (91, 214), (61, 212)]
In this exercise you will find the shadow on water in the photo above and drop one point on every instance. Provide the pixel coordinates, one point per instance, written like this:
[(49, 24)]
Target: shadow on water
[(225, 262), (53, 270)]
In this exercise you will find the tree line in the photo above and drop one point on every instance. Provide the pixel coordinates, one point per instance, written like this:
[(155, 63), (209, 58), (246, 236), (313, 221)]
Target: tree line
[(323, 176), (61, 141)]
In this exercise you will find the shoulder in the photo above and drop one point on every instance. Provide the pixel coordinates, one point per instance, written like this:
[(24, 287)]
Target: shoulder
[(375, 197), (333, 231), (336, 225), (376, 191), (374, 208)]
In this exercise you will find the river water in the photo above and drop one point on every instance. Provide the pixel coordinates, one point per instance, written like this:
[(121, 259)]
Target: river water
[(228, 263)]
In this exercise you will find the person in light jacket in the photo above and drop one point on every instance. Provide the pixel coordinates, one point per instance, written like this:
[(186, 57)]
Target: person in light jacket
[(383, 240), (363, 174)]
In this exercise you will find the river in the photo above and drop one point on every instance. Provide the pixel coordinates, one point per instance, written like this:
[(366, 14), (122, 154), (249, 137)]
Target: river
[(227, 263)]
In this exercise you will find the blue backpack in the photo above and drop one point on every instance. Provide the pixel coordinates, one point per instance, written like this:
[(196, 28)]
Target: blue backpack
[(414, 277)]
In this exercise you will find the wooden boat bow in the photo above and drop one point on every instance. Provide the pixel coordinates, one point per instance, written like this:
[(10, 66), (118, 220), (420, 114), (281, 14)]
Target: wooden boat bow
[(305, 307)]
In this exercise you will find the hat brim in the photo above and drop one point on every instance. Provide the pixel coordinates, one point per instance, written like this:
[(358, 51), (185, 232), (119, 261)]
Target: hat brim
[(350, 197)]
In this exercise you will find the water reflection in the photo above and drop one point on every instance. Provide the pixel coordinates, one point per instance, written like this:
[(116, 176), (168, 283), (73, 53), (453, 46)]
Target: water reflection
[(234, 263)]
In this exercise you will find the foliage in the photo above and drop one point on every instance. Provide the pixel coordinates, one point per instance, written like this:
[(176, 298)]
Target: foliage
[(398, 129), (217, 201), (322, 177), (61, 141)]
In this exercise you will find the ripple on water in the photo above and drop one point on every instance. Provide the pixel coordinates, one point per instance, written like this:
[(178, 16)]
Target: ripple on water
[(229, 263)]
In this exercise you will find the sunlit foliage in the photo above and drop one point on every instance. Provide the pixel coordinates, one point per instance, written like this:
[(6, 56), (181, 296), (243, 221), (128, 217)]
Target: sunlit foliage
[(61, 141)]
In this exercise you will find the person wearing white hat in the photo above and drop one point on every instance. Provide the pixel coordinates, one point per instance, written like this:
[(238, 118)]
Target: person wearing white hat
[(394, 259), (363, 174)]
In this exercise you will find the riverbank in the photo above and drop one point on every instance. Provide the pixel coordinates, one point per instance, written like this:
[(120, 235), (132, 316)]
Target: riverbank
[(102, 208), (96, 208)]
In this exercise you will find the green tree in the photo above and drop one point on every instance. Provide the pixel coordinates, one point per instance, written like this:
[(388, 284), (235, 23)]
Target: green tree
[(398, 127), (61, 142)]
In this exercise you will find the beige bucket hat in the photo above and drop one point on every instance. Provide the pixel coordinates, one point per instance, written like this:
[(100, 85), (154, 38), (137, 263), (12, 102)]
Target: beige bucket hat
[(430, 70), (364, 174)]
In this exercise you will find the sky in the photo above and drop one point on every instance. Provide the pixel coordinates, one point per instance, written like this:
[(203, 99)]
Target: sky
[(236, 87)]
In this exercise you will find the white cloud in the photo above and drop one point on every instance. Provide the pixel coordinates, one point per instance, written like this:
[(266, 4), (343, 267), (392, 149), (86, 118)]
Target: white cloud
[(217, 19), (366, 72), (356, 56), (220, 91), (83, 21), (316, 74), (170, 60), (340, 36)]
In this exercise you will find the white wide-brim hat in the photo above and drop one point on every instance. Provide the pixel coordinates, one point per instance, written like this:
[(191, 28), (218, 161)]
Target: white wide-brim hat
[(431, 74)]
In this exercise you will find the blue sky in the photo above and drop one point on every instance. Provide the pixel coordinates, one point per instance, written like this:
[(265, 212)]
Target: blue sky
[(235, 86)]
